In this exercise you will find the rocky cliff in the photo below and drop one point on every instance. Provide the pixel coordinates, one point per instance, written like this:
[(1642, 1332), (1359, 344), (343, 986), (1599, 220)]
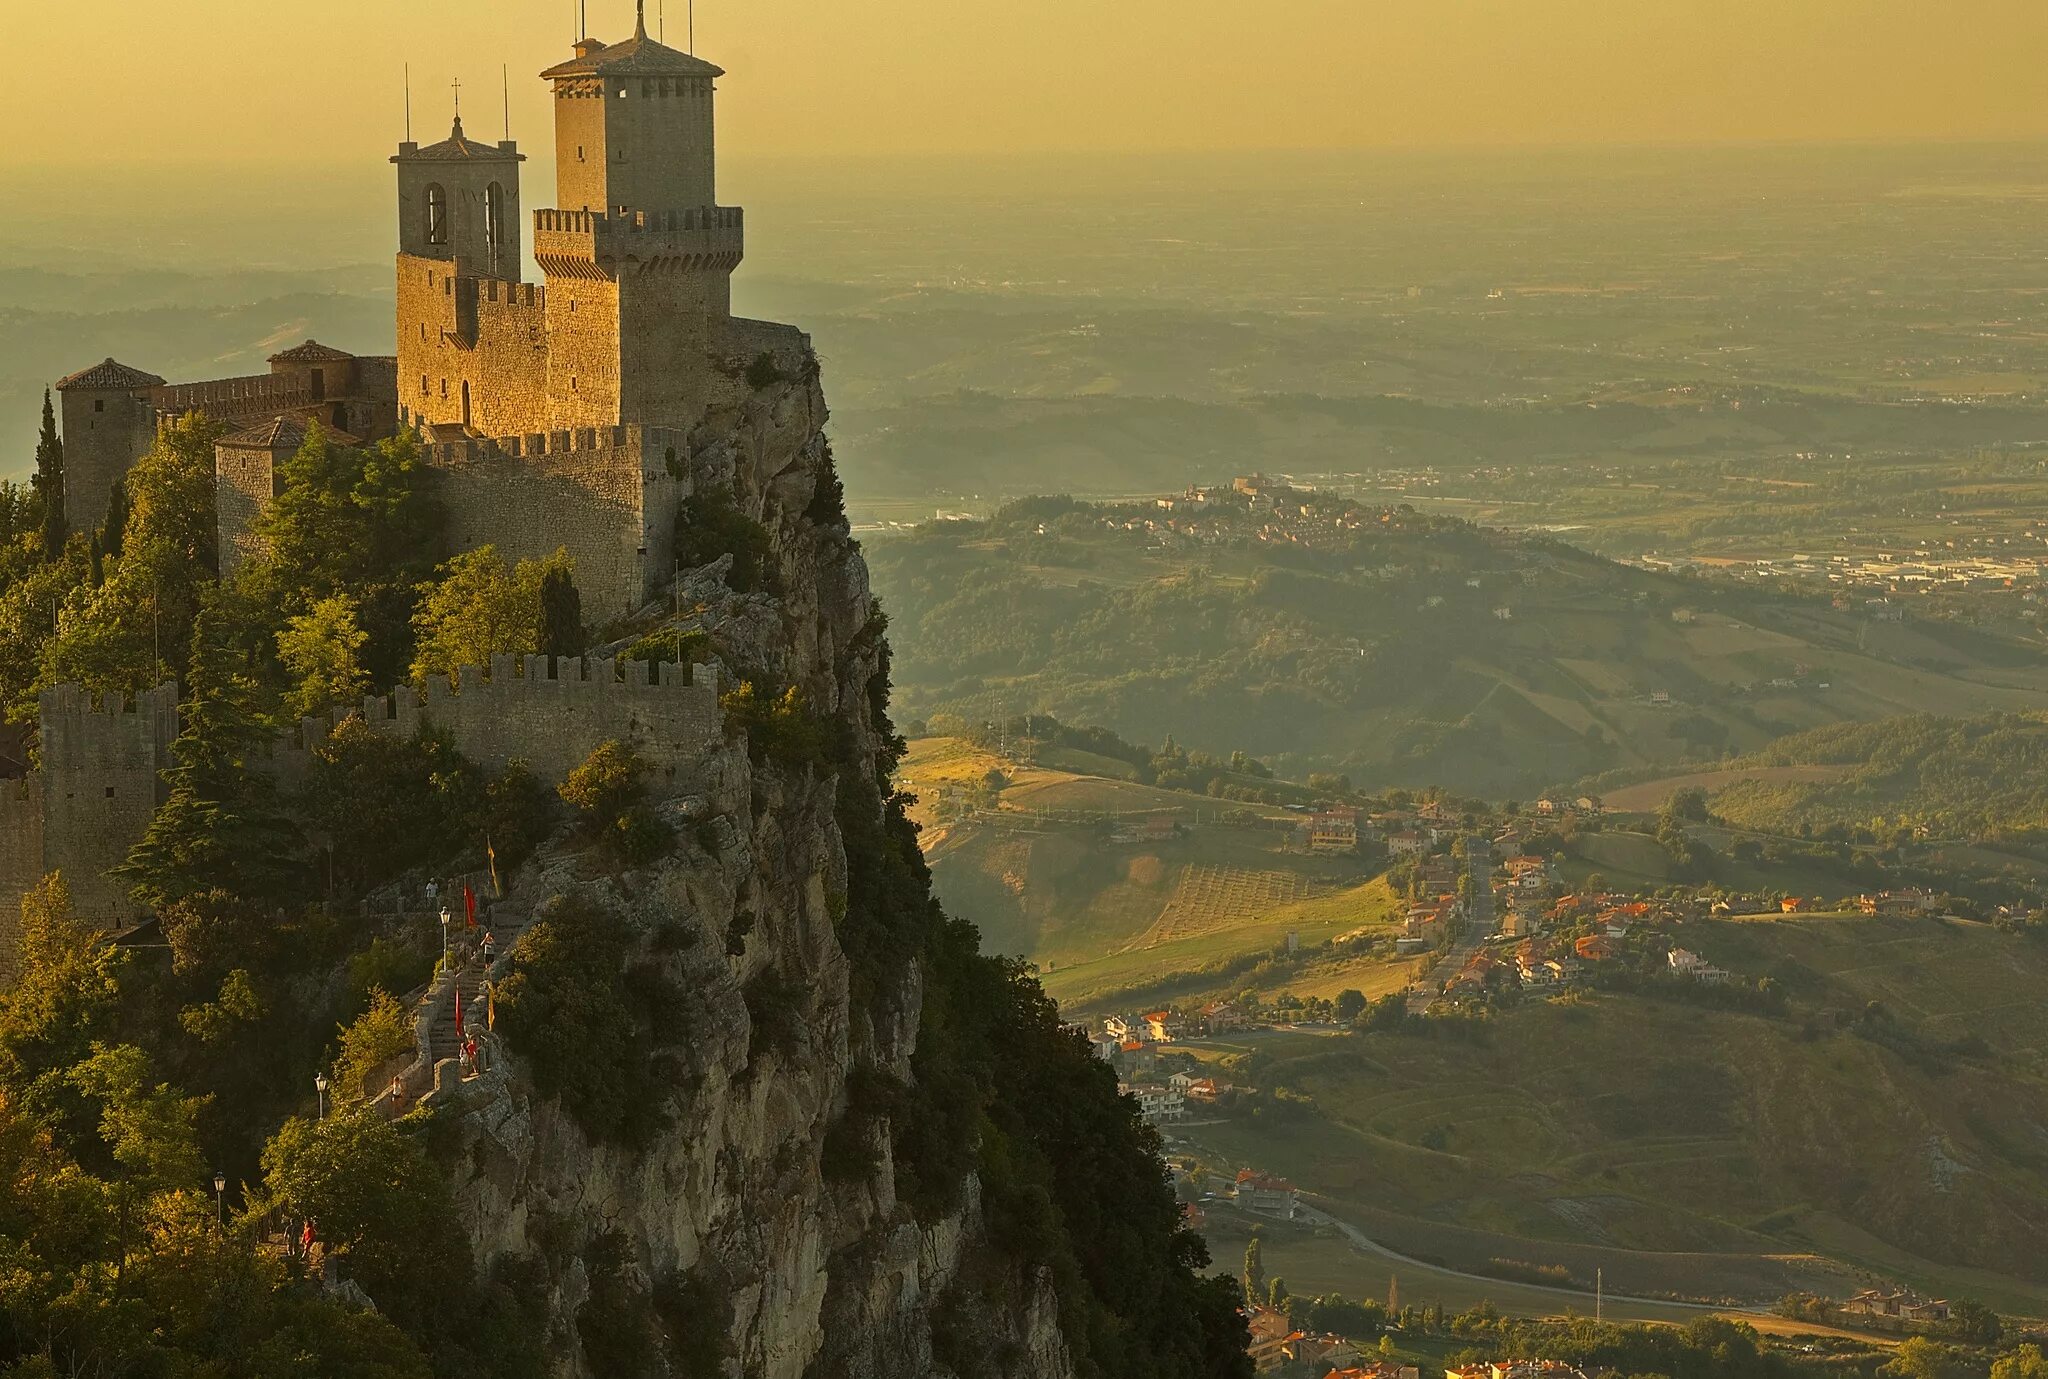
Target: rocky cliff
[(757, 1223)]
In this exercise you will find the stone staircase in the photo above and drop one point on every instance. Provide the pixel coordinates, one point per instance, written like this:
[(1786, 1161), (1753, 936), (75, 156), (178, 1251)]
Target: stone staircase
[(436, 1067), (503, 923)]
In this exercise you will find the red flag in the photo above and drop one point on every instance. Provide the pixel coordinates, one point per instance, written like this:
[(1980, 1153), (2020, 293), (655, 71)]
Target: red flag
[(458, 1013), (469, 906)]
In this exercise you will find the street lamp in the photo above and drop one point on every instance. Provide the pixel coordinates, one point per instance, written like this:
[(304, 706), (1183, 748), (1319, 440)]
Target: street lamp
[(320, 1086), (446, 920), (220, 1185)]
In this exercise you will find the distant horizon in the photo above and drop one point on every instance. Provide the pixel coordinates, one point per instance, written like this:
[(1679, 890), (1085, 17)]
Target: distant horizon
[(924, 77)]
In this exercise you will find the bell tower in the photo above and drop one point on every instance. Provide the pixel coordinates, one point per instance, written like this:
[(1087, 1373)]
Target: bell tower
[(458, 203)]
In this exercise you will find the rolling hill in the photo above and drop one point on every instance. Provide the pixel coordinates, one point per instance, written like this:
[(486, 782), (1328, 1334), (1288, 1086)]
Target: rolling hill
[(1399, 649)]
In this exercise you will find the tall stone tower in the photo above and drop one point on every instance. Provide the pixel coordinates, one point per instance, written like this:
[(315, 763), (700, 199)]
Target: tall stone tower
[(109, 424), (639, 256)]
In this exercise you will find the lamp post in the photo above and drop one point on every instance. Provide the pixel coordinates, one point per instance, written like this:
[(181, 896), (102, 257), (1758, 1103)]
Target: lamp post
[(446, 920), (320, 1087), (220, 1186)]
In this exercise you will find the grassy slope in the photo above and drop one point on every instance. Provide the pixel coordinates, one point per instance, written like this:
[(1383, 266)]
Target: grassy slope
[(1689, 1149)]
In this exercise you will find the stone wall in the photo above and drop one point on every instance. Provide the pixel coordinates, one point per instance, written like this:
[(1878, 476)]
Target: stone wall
[(549, 715), (105, 432), (101, 778), (244, 483), (21, 864), (607, 494), (483, 340)]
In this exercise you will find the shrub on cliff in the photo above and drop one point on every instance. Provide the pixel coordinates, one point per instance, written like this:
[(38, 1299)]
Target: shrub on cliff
[(587, 1036), (710, 524), (608, 792), (779, 727)]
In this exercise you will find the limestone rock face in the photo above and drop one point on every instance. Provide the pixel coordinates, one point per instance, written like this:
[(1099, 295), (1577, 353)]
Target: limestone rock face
[(821, 1272)]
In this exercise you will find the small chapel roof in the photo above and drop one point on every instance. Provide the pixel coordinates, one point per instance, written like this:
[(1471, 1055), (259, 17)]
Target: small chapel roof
[(279, 434), (110, 374), (312, 352)]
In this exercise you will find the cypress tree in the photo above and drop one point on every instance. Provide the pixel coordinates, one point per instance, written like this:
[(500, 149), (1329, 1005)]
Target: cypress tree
[(49, 482), (117, 519), (222, 825), (561, 614)]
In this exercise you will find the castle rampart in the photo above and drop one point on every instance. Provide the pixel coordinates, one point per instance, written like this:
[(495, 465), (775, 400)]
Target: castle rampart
[(608, 495), (549, 714), (100, 780)]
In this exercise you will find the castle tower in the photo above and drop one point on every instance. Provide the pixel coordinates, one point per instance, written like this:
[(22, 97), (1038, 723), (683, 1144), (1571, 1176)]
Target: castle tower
[(109, 424), (458, 204), (639, 257)]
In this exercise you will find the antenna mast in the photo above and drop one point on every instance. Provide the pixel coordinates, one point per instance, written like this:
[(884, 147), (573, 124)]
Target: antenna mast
[(505, 76), (693, 28), (408, 102)]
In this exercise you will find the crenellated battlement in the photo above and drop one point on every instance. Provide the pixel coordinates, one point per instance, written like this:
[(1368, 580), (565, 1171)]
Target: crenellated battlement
[(103, 760), (656, 441), (230, 399), (547, 713)]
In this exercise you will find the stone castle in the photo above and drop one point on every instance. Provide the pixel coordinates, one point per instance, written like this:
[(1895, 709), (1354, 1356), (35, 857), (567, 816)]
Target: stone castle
[(551, 415)]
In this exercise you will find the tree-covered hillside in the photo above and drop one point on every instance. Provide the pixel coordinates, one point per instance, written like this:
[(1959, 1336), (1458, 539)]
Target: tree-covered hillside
[(1399, 648), (1983, 778)]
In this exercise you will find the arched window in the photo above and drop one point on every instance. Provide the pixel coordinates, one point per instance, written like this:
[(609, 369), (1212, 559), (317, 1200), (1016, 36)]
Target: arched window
[(437, 215), (494, 217)]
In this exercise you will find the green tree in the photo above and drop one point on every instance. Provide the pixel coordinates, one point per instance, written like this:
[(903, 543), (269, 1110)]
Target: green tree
[(375, 1200), (149, 1128), (2025, 1363), (131, 632), (561, 611), (377, 1036), (321, 650), (114, 530), (1254, 1275), (477, 608), (1919, 1358), (49, 482), (221, 826), (64, 1000), (1350, 1004)]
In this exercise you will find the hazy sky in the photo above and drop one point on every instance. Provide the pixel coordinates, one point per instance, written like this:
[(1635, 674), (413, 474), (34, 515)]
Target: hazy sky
[(174, 79)]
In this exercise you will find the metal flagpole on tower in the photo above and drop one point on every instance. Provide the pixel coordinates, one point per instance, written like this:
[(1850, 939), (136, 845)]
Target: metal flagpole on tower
[(693, 27), (505, 76), (408, 102)]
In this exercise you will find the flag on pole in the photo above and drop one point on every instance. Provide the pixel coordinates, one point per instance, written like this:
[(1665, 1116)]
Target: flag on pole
[(497, 886), (458, 1013), (469, 907), (491, 1006)]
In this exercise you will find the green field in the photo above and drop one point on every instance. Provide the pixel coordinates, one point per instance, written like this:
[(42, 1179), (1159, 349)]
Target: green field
[(1696, 1151)]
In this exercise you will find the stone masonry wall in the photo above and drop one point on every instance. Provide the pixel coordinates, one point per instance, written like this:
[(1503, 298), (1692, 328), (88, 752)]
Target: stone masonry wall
[(485, 334), (21, 863), (607, 494), (99, 784), (550, 716), (244, 483), (100, 781)]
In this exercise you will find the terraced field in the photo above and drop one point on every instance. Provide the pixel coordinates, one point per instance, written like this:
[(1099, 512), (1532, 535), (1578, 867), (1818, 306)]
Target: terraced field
[(1208, 898)]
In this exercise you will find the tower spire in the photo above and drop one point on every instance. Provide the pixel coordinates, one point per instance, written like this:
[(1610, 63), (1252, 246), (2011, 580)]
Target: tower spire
[(640, 24)]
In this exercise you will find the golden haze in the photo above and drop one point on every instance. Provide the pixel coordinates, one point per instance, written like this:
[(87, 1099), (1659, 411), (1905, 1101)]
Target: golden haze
[(270, 79)]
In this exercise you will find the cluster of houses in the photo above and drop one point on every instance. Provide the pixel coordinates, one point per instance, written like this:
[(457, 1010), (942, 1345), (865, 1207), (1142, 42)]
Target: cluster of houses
[(1515, 1369), (1900, 1304), (1282, 1350)]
